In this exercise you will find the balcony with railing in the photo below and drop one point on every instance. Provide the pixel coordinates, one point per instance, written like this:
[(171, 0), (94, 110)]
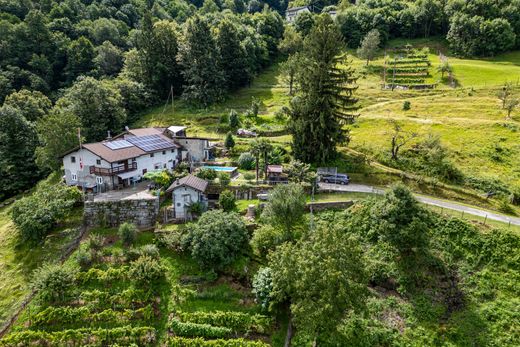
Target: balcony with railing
[(112, 171)]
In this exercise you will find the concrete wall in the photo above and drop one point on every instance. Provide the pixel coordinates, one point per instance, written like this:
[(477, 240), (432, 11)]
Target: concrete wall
[(197, 148), (142, 213)]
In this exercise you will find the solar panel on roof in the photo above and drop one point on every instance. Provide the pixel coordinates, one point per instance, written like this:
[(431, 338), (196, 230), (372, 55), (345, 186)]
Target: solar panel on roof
[(150, 143), (119, 144)]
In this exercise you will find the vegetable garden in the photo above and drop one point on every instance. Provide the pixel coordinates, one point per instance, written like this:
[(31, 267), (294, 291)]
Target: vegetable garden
[(407, 68)]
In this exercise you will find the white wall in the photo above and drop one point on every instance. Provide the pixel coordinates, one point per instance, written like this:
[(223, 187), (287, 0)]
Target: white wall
[(180, 205), (149, 163), (83, 176)]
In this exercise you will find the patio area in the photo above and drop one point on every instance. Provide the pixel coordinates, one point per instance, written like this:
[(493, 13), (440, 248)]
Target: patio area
[(137, 192)]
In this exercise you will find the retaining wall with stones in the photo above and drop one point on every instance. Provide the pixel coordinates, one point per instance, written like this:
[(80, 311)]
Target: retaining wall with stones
[(143, 213)]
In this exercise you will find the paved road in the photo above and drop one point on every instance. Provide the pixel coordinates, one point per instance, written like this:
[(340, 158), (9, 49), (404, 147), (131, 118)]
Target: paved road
[(361, 188)]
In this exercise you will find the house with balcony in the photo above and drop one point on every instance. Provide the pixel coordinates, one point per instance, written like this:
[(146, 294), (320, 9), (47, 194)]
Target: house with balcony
[(119, 162), (293, 12)]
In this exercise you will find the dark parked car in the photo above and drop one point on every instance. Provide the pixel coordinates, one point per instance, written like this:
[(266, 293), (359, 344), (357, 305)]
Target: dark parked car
[(337, 179)]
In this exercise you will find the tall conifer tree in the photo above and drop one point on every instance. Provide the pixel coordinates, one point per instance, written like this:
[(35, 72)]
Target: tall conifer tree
[(326, 99)]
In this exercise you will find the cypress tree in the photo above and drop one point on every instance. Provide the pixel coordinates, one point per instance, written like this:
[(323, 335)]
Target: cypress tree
[(326, 99)]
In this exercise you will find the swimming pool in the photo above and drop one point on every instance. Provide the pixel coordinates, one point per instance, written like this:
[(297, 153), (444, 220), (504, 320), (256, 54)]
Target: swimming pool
[(228, 169)]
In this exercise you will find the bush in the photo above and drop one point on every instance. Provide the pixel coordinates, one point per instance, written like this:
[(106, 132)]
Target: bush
[(146, 270), (171, 240), (227, 201), (249, 176), (52, 281), (234, 120), (37, 214), (224, 179), (127, 233), (216, 239), (206, 174), (266, 238), (229, 142), (95, 242), (150, 251), (246, 161), (407, 105), (131, 254), (262, 287), (84, 259)]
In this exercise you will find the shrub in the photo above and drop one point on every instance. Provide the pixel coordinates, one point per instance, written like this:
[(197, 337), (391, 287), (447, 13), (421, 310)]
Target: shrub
[(171, 240), (216, 239), (246, 161), (407, 105), (150, 251), (127, 233), (146, 270), (84, 259), (206, 174), (229, 142), (234, 120), (52, 281), (224, 179), (131, 254), (227, 201), (266, 238), (262, 287), (95, 242), (37, 214), (249, 176)]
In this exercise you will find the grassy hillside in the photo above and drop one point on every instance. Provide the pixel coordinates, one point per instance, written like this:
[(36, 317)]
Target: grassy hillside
[(473, 128)]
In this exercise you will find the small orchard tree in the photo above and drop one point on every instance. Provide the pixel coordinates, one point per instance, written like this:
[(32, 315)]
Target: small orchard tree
[(52, 281), (127, 233), (511, 105), (285, 208), (289, 69), (369, 46), (216, 239), (229, 143), (227, 201), (504, 93), (444, 68), (399, 139)]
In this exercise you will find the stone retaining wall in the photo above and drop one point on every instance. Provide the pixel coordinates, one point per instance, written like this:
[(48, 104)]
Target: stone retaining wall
[(143, 213)]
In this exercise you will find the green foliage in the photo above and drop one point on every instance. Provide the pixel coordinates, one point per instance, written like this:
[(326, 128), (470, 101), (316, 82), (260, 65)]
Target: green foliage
[(223, 179), (196, 329), (33, 105), (127, 232), (52, 281), (285, 208), (206, 174), (151, 251), (146, 271), (263, 287), (323, 87), (145, 336), (37, 214), (299, 172), (234, 119), (229, 142), (369, 46), (407, 105), (216, 239), (246, 161), (162, 178), (238, 322), (17, 144), (227, 201), (84, 259), (322, 276), (200, 342), (266, 238)]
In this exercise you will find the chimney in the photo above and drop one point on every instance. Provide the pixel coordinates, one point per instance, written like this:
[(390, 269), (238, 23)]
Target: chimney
[(127, 129), (109, 137)]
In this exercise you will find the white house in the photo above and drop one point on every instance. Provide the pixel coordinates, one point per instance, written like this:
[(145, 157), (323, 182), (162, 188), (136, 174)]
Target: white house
[(292, 13), (119, 162), (124, 159), (185, 192)]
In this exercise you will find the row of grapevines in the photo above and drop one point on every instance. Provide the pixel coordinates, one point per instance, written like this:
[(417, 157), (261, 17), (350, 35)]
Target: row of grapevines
[(73, 315), (98, 275), (143, 336), (197, 330), (128, 297), (237, 321), (200, 342)]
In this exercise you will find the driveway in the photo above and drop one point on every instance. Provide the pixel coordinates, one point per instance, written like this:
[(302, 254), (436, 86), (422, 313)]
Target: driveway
[(475, 211)]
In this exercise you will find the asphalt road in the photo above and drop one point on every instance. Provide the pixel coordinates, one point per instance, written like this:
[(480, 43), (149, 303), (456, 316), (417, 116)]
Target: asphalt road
[(475, 211)]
